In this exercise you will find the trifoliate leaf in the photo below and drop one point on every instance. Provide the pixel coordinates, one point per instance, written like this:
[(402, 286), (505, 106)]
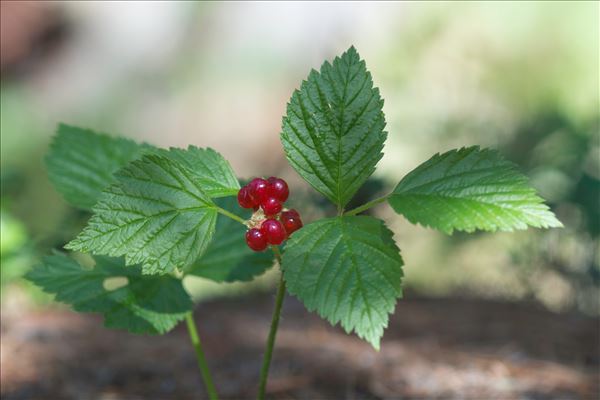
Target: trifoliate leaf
[(146, 304), (469, 189), (333, 130), (228, 258), (81, 163), (214, 173), (349, 270), (155, 215)]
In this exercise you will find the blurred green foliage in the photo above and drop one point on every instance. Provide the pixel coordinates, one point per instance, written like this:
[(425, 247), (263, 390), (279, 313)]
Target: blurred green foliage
[(525, 80), (14, 255)]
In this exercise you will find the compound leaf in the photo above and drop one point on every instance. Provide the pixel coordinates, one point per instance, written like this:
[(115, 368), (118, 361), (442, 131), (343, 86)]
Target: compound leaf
[(349, 270), (156, 215), (333, 131), (81, 162), (469, 189), (146, 304), (228, 258), (214, 173)]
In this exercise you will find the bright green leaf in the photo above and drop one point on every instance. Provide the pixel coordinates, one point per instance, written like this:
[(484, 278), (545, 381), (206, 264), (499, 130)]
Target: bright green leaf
[(470, 189), (81, 163), (333, 130), (155, 215), (214, 173), (146, 304), (349, 270), (228, 258)]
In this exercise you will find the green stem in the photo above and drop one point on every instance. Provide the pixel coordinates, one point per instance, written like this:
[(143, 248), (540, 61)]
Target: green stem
[(210, 387), (368, 205), (231, 215), (264, 372)]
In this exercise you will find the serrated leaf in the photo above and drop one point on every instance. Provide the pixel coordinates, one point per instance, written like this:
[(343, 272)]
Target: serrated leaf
[(81, 162), (228, 258), (147, 304), (469, 189), (155, 215), (333, 130), (349, 270), (213, 172)]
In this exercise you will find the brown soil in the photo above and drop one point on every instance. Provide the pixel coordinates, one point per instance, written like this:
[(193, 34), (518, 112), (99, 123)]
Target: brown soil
[(442, 348)]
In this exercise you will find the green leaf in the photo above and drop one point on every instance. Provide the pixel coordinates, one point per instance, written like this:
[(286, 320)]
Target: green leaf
[(214, 173), (349, 270), (155, 215), (333, 130), (81, 163), (146, 304), (469, 189), (228, 258)]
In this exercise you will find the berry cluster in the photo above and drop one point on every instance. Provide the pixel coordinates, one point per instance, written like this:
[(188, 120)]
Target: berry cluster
[(271, 223)]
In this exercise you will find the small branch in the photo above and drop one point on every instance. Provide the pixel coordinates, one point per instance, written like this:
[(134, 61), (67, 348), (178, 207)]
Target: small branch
[(368, 205), (277, 253), (231, 215), (208, 383), (264, 372)]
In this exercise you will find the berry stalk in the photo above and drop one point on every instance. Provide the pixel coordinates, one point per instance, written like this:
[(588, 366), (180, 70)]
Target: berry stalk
[(264, 372)]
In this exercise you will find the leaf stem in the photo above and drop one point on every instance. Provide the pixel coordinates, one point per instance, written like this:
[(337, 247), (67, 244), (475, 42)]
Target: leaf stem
[(231, 215), (367, 205), (264, 372), (208, 383)]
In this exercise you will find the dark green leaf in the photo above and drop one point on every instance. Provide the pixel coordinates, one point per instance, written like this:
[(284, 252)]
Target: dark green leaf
[(81, 163), (146, 304), (333, 130), (349, 270), (470, 189), (155, 215), (214, 173)]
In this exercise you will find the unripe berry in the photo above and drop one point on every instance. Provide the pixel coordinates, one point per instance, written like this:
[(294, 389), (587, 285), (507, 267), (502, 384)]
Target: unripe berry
[(271, 206), (244, 199), (273, 230), (256, 240), (279, 188), (259, 189), (291, 221)]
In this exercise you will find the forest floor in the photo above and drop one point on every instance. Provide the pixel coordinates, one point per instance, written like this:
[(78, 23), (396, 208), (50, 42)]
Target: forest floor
[(433, 348)]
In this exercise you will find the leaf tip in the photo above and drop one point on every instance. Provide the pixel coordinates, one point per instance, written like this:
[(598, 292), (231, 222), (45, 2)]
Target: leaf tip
[(73, 245)]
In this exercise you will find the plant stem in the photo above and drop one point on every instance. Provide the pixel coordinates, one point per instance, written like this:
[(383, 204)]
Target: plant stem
[(231, 215), (264, 372), (210, 387), (367, 205)]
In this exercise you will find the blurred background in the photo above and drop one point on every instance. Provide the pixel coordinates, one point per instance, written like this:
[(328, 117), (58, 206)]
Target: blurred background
[(522, 77)]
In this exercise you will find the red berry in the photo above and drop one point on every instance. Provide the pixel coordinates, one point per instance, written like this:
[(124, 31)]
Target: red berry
[(244, 198), (291, 221), (259, 189), (279, 188), (256, 240), (292, 212), (271, 206), (273, 230)]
